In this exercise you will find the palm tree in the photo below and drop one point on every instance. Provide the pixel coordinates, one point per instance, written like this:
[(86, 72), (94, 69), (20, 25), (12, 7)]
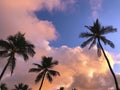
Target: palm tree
[(45, 70), (16, 44), (3, 86), (95, 36), (61, 88), (22, 86)]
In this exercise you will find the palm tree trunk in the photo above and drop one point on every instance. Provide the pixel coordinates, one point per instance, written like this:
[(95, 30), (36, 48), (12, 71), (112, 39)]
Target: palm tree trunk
[(4, 69), (42, 81), (116, 83)]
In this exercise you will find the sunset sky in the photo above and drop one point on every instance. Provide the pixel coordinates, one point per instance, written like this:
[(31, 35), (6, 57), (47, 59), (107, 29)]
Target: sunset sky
[(53, 26)]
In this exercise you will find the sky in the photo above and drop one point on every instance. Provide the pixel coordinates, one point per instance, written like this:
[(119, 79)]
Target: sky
[(53, 26)]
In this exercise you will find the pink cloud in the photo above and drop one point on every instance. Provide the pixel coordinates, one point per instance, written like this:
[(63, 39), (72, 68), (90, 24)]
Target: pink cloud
[(16, 18), (17, 15)]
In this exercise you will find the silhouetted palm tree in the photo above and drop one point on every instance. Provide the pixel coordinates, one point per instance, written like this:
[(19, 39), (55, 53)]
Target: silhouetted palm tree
[(22, 86), (61, 88), (95, 36), (3, 86), (16, 44), (45, 70)]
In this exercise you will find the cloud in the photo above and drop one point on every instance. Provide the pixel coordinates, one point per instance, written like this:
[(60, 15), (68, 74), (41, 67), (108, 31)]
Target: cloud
[(77, 66), (17, 15), (83, 68), (95, 7)]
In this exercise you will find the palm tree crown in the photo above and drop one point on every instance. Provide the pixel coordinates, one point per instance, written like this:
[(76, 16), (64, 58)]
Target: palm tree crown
[(96, 34), (45, 70), (3, 86), (16, 44), (22, 86), (61, 88)]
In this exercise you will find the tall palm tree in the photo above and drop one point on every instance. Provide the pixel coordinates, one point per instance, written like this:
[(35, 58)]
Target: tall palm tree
[(3, 86), (45, 70), (95, 36), (22, 86), (16, 44)]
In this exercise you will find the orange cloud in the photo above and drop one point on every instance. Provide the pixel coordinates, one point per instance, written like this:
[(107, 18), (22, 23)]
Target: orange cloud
[(81, 62), (78, 67)]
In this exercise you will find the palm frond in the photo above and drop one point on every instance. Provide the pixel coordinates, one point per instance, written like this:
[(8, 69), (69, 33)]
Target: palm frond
[(96, 26), (28, 44), (25, 56), (39, 77), (85, 35), (92, 44), (103, 38), (4, 53), (4, 44), (11, 39), (53, 64), (53, 73), (31, 51), (3, 86), (90, 28), (106, 41), (49, 77), (16, 87), (26, 87), (86, 42), (38, 65), (108, 29), (35, 70), (30, 48)]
